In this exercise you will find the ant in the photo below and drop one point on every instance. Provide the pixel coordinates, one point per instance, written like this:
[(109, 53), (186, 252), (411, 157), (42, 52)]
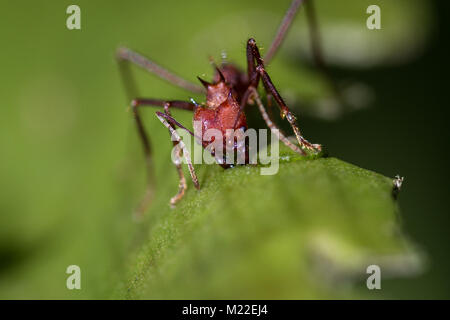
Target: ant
[(230, 91)]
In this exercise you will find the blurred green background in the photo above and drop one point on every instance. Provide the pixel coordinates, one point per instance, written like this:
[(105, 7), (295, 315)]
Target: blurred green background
[(71, 170)]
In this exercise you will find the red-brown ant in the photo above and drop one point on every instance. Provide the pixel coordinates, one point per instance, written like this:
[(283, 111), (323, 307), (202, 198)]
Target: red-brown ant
[(226, 97)]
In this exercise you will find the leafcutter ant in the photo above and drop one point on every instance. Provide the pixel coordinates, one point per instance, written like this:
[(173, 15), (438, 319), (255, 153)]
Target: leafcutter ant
[(227, 95)]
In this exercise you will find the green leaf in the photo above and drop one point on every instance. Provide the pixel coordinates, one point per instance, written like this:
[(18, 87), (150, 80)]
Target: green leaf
[(305, 232)]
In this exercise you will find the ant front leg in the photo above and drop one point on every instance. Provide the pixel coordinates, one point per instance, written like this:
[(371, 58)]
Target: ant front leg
[(136, 104), (180, 148), (267, 116), (272, 126), (260, 72)]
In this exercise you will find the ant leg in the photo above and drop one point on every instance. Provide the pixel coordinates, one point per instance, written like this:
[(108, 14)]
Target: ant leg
[(270, 88), (314, 35), (125, 54), (252, 93), (253, 81), (275, 130), (317, 51), (136, 104), (268, 116), (287, 22), (282, 29), (182, 186), (269, 110), (269, 106), (169, 122)]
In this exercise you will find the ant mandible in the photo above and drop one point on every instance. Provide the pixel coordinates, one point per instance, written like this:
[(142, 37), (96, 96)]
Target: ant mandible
[(226, 97)]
